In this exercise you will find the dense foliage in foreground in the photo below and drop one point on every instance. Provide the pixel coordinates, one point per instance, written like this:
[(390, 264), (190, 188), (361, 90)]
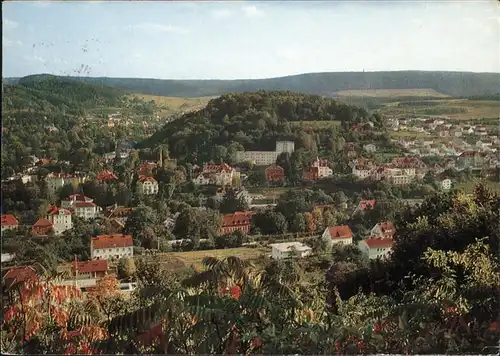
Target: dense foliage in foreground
[(446, 300)]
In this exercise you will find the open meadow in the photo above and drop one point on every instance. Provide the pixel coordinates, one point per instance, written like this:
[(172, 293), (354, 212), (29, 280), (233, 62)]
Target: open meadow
[(173, 105), (391, 93), (179, 260)]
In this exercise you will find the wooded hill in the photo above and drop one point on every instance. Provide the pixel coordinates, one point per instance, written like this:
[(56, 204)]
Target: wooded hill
[(255, 121), (450, 83), (48, 93)]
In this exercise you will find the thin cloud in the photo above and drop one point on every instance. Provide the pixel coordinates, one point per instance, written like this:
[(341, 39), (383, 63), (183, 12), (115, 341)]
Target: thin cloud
[(35, 59), (252, 11), (221, 13), (10, 43), (9, 23), (154, 27)]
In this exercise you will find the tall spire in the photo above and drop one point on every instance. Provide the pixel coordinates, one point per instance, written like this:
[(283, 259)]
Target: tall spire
[(160, 163)]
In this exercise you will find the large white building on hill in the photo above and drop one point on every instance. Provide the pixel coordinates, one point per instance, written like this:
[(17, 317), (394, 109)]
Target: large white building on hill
[(266, 158)]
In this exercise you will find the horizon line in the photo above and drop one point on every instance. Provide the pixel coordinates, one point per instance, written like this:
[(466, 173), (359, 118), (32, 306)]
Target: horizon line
[(265, 78)]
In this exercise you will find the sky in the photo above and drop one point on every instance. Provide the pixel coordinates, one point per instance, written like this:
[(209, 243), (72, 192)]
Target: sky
[(247, 39)]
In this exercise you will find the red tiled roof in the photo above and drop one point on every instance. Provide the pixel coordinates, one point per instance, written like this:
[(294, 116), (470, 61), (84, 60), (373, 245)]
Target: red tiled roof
[(238, 218), (78, 197), (111, 241), (54, 210), (143, 178), (106, 175), (9, 220), (217, 168), (92, 266), (19, 274), (387, 228), (83, 204), (340, 232), (363, 204), (43, 223), (275, 166), (468, 154), (379, 242)]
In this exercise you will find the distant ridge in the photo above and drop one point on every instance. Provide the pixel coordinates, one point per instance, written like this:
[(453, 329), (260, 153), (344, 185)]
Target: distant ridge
[(449, 83)]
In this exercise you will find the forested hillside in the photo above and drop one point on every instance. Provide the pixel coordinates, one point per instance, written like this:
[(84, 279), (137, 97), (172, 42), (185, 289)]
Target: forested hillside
[(254, 121), (450, 83), (42, 93), (56, 117)]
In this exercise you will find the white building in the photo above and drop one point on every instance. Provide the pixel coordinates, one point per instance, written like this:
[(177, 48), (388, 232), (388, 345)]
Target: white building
[(58, 180), (288, 249), (265, 158), (376, 247), (324, 171), (107, 247), (370, 148), (147, 185), (86, 210), (446, 184), (337, 235), (360, 171), (217, 174), (60, 219)]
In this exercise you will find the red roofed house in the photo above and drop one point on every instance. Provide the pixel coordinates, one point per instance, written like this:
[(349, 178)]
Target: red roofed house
[(105, 247), (43, 227), (89, 269), (147, 185), (240, 220), (363, 205), (106, 176), (18, 274), (73, 198), (9, 222), (60, 219), (383, 229), (341, 234), (275, 174), (324, 171), (376, 247), (147, 168)]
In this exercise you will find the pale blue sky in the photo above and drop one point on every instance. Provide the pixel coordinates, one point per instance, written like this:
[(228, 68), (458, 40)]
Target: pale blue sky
[(247, 39)]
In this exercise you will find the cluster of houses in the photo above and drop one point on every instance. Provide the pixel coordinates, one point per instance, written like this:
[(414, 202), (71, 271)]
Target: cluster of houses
[(377, 245), (453, 137)]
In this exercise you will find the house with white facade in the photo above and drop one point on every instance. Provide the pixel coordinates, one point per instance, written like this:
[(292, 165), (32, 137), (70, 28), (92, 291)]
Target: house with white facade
[(147, 185), (376, 247), (86, 210), (108, 247), (383, 229), (445, 184), (265, 158), (217, 174), (337, 235), (324, 171), (370, 148), (56, 181), (286, 250), (60, 219)]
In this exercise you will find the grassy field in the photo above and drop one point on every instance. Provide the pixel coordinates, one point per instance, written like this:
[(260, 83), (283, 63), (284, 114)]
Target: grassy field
[(172, 104), (391, 93), (178, 260), (458, 109)]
